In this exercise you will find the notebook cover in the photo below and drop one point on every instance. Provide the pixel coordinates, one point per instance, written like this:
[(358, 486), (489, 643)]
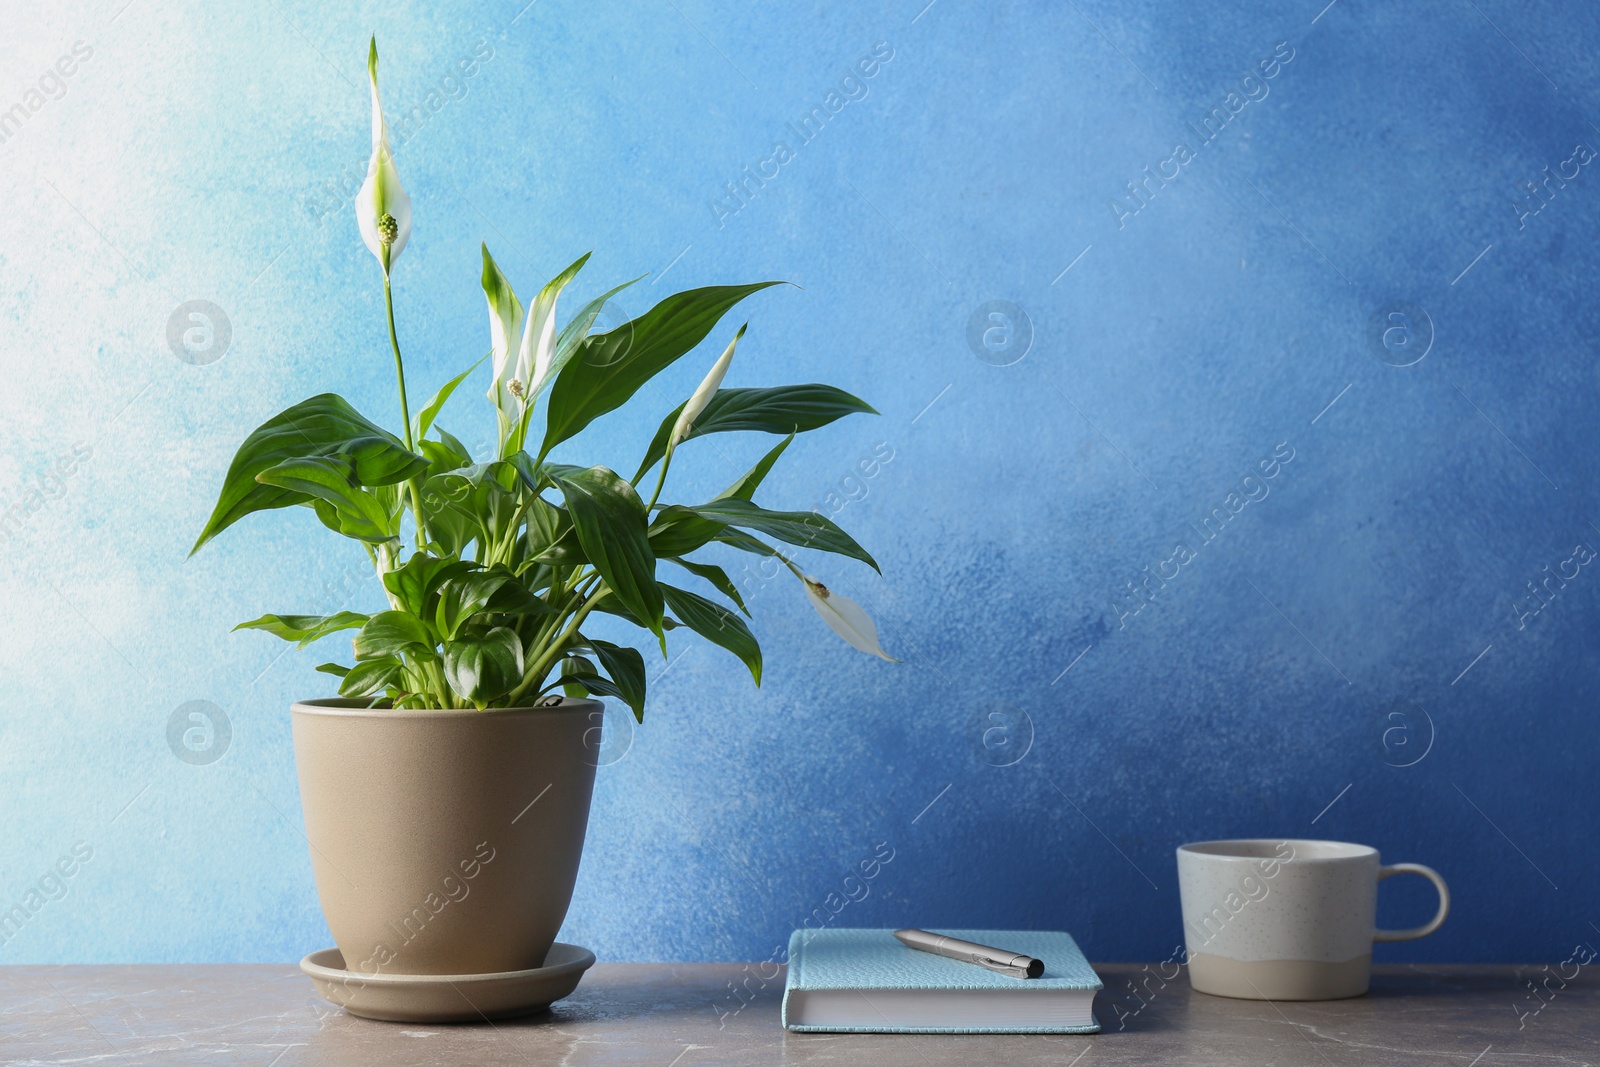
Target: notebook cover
[(873, 959)]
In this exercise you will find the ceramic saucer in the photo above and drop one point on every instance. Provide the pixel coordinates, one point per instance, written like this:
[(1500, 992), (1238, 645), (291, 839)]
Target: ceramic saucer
[(453, 998)]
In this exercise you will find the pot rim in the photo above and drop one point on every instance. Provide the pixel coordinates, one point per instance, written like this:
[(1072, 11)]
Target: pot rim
[(356, 708)]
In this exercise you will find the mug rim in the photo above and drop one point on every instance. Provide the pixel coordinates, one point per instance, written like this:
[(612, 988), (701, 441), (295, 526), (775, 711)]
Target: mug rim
[(1348, 850)]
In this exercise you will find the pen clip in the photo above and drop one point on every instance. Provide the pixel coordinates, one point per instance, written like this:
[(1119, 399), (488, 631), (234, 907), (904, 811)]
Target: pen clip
[(1007, 968)]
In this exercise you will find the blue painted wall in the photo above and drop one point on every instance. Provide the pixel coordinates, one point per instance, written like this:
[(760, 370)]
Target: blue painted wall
[(1357, 654)]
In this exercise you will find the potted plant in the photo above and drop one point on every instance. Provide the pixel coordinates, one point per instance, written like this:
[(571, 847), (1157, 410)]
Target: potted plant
[(446, 790)]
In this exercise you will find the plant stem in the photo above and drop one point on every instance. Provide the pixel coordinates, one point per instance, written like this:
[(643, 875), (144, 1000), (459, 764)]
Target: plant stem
[(516, 525), (385, 560), (537, 671), (666, 461), (560, 601), (520, 434), (399, 364), (546, 629), (787, 562), (405, 408), (446, 696)]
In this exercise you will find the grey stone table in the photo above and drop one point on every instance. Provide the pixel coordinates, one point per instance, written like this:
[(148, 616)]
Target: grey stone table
[(685, 1015)]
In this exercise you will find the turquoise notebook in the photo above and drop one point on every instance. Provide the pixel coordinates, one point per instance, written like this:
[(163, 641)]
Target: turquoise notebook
[(866, 982)]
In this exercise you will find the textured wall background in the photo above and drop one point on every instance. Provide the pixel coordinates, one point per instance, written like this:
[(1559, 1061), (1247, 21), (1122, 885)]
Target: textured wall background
[(1358, 654)]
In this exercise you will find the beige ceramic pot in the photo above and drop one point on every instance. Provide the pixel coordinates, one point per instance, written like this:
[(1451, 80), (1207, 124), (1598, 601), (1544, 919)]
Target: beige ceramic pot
[(445, 842)]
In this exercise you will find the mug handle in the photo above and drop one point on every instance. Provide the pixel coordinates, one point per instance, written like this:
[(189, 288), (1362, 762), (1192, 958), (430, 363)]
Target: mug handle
[(1433, 924)]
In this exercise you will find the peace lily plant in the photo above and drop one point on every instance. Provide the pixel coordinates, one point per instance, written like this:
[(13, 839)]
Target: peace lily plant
[(493, 565)]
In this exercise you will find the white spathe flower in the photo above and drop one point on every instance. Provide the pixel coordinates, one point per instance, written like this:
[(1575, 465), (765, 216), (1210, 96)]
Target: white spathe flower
[(383, 210), (846, 618), (696, 404), (505, 318), (538, 347), (519, 376), (538, 341)]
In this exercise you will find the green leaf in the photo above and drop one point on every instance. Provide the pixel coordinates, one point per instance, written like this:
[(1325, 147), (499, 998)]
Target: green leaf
[(612, 527), (574, 333), (450, 441), (430, 410), (744, 542), (441, 457), (469, 503), (786, 409), (746, 486), (449, 531), (611, 606), (446, 454), (549, 536), (332, 480), (716, 624), (482, 667), (804, 528), (677, 531), (523, 468), (537, 578), (324, 425), (583, 685), (460, 483), (369, 677), (516, 598), (496, 590), (374, 462), (304, 629), (393, 634), (335, 669), (608, 368), (463, 597), (574, 668), (717, 577), (581, 678), (328, 515), (626, 667), (416, 580)]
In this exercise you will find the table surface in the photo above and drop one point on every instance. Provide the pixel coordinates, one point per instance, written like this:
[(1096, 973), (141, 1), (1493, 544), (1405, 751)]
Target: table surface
[(686, 1015)]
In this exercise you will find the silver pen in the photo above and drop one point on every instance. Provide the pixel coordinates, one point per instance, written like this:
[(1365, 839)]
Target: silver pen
[(999, 960)]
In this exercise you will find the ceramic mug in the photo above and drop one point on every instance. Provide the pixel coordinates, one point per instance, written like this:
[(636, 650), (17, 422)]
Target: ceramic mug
[(1276, 919)]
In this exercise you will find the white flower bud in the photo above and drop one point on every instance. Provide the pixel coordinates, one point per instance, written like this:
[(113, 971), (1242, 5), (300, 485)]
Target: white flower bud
[(383, 210), (696, 403), (845, 618)]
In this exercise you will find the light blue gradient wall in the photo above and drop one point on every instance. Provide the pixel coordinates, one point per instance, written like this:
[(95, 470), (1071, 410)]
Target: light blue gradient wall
[(1365, 613)]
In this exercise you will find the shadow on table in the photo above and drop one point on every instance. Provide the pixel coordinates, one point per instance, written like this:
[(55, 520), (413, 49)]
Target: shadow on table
[(1133, 1003), (1125, 1011)]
